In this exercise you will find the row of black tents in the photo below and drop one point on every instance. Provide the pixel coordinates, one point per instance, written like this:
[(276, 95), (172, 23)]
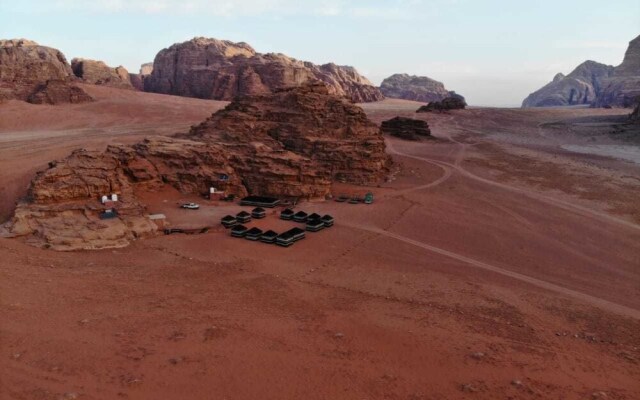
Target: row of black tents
[(313, 223)]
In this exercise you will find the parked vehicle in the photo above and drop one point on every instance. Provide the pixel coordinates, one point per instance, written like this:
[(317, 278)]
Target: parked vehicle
[(190, 206), (342, 198), (368, 198)]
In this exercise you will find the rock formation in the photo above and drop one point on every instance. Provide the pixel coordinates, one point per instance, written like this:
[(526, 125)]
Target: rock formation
[(26, 66), (406, 128), (293, 142), (221, 70), (416, 88), (594, 84), (300, 133), (99, 73), (455, 102), (137, 80), (622, 89), (58, 92), (581, 86)]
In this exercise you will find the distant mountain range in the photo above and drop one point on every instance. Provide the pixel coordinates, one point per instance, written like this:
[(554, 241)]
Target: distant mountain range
[(594, 84)]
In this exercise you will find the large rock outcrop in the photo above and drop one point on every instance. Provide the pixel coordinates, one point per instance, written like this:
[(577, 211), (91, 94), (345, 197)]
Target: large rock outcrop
[(416, 88), (622, 89), (581, 86), (454, 102), (58, 92), (222, 70), (99, 73), (594, 84), (293, 142), (137, 80), (26, 67), (306, 133), (406, 128)]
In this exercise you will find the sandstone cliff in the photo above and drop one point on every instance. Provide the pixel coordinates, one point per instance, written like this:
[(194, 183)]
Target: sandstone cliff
[(581, 86), (305, 134), (99, 73), (26, 66), (622, 89), (416, 88), (293, 142), (221, 70)]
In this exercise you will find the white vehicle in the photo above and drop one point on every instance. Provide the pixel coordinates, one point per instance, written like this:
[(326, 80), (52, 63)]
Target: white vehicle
[(190, 206)]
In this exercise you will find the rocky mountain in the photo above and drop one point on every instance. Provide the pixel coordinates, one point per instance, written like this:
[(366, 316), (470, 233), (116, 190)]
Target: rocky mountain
[(581, 86), (293, 142), (406, 128), (221, 70), (99, 73), (26, 67), (622, 89), (411, 87), (594, 84), (297, 140)]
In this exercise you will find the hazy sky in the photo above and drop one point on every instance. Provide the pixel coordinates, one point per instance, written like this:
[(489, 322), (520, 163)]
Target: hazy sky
[(494, 52)]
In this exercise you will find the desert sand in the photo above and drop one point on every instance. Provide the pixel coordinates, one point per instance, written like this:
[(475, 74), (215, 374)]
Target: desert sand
[(494, 264)]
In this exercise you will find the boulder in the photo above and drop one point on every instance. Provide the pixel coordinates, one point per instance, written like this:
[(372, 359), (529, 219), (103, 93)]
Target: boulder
[(221, 70), (293, 142), (623, 87), (25, 66), (581, 86), (455, 102), (99, 73), (416, 88), (406, 128), (58, 92)]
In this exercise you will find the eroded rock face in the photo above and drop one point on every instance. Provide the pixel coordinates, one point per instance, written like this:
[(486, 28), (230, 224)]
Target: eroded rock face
[(221, 70), (137, 80), (594, 84), (293, 142), (59, 92), (455, 102), (25, 66), (406, 128), (581, 86), (308, 135), (416, 88), (622, 89), (99, 73)]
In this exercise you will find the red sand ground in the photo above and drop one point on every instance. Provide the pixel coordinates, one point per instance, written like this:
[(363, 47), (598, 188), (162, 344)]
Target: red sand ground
[(495, 265)]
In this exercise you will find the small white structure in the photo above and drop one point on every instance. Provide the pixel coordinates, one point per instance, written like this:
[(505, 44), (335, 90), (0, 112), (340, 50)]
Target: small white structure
[(105, 199)]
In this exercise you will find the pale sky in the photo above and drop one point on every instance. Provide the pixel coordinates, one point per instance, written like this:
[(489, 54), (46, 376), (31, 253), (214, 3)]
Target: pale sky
[(494, 52)]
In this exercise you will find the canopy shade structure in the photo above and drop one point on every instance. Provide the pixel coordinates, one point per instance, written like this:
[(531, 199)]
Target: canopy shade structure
[(287, 214), (260, 201)]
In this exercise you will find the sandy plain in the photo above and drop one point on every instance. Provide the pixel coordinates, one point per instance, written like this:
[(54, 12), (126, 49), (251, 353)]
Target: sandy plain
[(495, 264)]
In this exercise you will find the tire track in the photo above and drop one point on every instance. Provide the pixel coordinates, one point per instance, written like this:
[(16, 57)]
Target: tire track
[(602, 303)]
